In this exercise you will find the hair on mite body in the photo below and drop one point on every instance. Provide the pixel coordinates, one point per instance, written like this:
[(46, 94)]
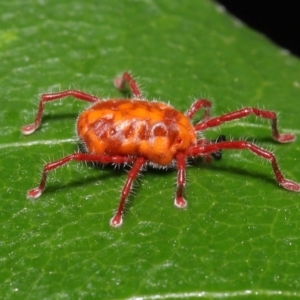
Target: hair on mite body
[(140, 133)]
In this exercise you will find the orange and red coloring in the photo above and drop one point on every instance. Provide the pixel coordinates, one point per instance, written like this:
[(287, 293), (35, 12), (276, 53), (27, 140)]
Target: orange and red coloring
[(139, 132)]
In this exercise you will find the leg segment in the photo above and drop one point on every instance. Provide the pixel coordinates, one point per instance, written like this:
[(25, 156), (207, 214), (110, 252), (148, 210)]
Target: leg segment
[(181, 179), (241, 145), (196, 106), (213, 122), (218, 154), (121, 81), (202, 142), (137, 165), (37, 192), (28, 129), (117, 219), (215, 155)]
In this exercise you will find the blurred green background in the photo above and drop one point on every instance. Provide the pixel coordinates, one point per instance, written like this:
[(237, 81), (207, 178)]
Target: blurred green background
[(239, 236)]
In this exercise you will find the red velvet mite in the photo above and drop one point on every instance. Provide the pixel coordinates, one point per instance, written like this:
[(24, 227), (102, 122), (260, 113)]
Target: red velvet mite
[(139, 132)]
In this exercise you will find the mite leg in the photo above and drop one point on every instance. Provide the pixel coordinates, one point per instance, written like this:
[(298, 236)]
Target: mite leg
[(121, 81), (37, 192), (241, 145), (266, 114), (181, 180), (30, 128), (117, 219), (196, 106), (215, 155), (201, 142), (218, 154)]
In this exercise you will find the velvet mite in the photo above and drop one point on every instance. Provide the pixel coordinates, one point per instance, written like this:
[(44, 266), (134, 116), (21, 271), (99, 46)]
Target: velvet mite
[(139, 132)]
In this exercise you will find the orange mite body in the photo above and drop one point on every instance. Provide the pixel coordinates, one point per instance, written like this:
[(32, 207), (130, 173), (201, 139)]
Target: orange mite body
[(137, 133), (153, 130)]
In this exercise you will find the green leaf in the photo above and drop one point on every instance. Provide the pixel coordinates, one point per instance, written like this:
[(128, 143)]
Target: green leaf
[(239, 235)]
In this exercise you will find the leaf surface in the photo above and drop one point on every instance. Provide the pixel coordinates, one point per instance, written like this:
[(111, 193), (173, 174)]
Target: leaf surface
[(239, 235)]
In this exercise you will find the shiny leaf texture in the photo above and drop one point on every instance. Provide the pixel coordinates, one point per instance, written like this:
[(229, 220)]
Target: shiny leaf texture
[(239, 235)]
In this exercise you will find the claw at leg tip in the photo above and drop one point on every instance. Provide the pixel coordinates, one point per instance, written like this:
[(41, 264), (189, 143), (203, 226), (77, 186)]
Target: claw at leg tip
[(180, 202), (28, 129), (291, 185), (116, 221), (118, 82), (286, 138), (34, 193)]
